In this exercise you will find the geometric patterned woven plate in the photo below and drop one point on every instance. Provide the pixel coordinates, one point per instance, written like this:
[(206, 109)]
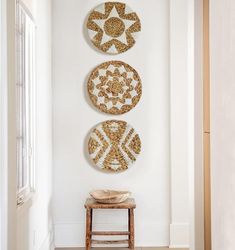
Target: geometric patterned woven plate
[(114, 87), (114, 145), (113, 27)]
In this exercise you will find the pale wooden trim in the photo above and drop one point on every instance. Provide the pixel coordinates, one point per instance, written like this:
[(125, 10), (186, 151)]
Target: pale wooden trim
[(206, 124), (207, 192)]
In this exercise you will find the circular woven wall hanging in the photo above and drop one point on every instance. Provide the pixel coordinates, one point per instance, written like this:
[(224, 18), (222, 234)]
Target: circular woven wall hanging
[(113, 27), (114, 87), (114, 145)]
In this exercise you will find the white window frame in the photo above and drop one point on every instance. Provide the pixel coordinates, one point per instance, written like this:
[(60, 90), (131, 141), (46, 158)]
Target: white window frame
[(25, 89)]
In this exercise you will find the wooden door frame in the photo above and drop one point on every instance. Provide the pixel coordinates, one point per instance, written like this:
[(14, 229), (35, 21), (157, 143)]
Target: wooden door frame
[(199, 169), (206, 124)]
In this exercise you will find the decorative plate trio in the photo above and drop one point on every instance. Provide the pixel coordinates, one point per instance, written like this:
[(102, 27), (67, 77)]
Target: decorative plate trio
[(114, 87)]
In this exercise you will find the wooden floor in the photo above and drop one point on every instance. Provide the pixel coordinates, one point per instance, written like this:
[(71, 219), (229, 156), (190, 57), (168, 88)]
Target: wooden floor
[(137, 248)]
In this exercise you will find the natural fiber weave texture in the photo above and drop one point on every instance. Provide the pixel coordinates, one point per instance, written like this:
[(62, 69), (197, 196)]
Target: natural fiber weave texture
[(114, 145), (114, 87), (113, 27)]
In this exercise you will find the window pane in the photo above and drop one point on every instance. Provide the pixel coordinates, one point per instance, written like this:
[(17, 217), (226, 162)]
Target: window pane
[(25, 99)]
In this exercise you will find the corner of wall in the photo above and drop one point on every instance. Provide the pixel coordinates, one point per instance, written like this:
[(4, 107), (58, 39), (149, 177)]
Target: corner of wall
[(179, 235), (179, 227)]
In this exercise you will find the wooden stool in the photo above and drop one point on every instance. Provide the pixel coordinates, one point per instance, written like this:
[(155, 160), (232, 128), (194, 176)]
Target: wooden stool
[(92, 204)]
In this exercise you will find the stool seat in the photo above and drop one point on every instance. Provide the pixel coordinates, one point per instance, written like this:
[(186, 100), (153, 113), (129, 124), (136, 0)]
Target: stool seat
[(91, 204)]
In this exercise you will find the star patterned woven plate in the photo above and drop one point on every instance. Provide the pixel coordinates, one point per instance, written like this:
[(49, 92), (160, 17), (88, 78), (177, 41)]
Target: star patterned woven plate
[(113, 27), (114, 145), (114, 87)]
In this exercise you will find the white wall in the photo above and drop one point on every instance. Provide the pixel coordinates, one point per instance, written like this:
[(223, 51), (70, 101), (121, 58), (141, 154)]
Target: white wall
[(35, 226), (223, 123), (148, 179), (7, 127), (3, 127), (179, 84), (11, 127)]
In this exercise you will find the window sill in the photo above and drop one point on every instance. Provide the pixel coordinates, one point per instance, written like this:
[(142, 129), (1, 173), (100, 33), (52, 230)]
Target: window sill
[(26, 203)]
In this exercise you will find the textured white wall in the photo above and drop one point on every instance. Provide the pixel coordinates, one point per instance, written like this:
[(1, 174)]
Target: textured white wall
[(223, 123), (148, 179), (35, 224)]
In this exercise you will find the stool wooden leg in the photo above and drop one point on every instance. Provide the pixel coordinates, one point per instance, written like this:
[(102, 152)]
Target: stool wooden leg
[(88, 228), (91, 219), (131, 229)]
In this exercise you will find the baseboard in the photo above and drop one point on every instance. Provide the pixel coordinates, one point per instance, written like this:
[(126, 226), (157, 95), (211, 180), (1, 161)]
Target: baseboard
[(48, 243), (179, 235), (179, 247), (73, 234)]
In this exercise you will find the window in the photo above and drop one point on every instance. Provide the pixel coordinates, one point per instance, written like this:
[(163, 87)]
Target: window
[(25, 35)]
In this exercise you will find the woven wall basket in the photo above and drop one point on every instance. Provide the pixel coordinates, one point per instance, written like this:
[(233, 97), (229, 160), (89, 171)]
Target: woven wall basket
[(114, 87), (113, 27), (114, 145)]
